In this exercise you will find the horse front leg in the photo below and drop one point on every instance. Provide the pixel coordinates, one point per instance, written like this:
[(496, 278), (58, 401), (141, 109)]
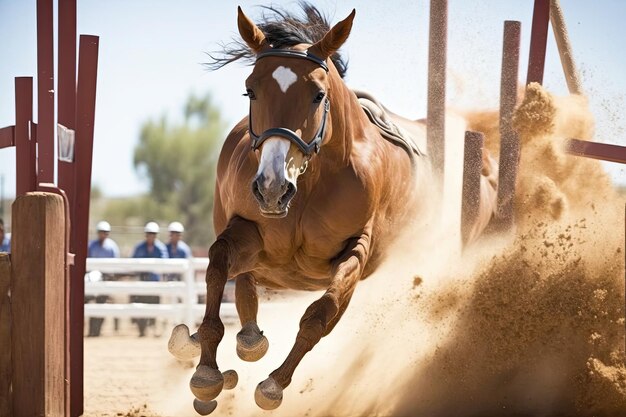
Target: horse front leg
[(318, 320), (234, 251), (251, 343)]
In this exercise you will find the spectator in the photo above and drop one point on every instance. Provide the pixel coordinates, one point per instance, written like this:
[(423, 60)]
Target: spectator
[(151, 247), (5, 239), (102, 247), (177, 248)]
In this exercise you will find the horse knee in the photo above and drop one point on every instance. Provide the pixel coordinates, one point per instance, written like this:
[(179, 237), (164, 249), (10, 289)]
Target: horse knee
[(211, 330)]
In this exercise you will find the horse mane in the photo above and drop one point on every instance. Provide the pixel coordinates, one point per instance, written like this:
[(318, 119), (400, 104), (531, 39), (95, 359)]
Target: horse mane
[(282, 29)]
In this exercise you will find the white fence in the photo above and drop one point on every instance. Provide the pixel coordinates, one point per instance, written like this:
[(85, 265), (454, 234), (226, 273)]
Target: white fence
[(188, 311)]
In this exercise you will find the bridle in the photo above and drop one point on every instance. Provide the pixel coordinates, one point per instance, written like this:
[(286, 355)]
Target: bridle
[(307, 148)]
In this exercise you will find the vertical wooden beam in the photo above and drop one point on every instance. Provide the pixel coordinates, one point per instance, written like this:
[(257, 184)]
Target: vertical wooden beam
[(37, 294), (45, 92), (538, 41), (436, 111), (25, 164), (66, 95), (509, 139), (6, 369), (66, 109), (565, 48), (85, 114), (472, 166)]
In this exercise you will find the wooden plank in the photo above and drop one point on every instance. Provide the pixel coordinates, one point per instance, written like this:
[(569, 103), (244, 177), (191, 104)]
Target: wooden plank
[(509, 138), (38, 295), (5, 336), (7, 137), (25, 166), (538, 42), (85, 115), (595, 150), (564, 45), (436, 111), (472, 166), (45, 91)]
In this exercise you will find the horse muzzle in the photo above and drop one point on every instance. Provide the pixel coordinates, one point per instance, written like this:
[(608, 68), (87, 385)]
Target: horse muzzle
[(273, 196)]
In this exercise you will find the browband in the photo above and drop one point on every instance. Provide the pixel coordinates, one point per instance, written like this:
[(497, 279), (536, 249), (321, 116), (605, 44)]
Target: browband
[(290, 53)]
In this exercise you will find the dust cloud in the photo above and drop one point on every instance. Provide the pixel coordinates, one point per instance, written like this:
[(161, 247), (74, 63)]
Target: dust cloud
[(528, 324)]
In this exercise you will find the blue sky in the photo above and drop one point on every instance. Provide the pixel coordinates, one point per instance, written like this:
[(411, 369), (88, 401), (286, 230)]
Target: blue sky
[(151, 54)]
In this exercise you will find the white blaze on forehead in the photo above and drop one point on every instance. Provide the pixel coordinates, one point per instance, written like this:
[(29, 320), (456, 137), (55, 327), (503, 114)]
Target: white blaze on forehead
[(285, 77), (273, 155)]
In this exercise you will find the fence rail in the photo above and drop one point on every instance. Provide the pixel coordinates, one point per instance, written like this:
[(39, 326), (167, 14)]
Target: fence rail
[(188, 311)]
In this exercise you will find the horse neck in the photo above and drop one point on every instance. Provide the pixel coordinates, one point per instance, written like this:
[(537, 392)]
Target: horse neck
[(347, 124)]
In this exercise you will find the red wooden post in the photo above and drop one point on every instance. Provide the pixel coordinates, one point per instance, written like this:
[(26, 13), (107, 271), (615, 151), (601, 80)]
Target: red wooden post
[(45, 92), (24, 145), (595, 150), (66, 118), (436, 112), (472, 165), (509, 139), (85, 113), (538, 40)]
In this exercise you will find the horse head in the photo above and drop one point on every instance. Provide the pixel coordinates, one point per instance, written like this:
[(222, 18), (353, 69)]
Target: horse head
[(289, 121)]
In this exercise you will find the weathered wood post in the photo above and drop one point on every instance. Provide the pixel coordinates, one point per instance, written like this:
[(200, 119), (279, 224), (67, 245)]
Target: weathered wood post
[(5, 336), (509, 138), (565, 48), (38, 302), (472, 166)]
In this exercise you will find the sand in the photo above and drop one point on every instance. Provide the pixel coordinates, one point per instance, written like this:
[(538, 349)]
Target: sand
[(529, 324)]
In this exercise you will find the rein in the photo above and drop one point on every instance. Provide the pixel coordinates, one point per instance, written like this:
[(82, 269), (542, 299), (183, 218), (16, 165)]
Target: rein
[(314, 145)]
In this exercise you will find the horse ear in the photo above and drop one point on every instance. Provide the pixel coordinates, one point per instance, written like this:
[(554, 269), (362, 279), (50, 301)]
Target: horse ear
[(249, 32), (335, 37)]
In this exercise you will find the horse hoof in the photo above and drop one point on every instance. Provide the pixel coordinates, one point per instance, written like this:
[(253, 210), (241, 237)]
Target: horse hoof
[(206, 383), (204, 408), (183, 346), (251, 344), (230, 379), (268, 394)]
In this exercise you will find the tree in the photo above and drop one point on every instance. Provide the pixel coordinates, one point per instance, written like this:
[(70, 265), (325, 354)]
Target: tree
[(179, 161)]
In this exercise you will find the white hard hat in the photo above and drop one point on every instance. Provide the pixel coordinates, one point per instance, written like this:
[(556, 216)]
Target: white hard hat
[(103, 226), (151, 227), (176, 227)]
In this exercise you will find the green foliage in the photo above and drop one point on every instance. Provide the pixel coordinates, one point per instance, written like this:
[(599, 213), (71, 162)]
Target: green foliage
[(179, 161)]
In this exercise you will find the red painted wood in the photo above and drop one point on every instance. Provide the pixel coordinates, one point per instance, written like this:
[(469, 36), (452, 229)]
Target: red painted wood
[(26, 179), (538, 41), (85, 114), (7, 137), (595, 150), (45, 91)]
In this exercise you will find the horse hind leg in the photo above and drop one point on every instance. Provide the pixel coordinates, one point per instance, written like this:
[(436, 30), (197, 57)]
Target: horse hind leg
[(251, 343), (318, 320)]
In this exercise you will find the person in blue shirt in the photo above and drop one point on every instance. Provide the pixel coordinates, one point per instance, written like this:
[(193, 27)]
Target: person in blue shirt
[(5, 239), (177, 248), (102, 247), (151, 247)]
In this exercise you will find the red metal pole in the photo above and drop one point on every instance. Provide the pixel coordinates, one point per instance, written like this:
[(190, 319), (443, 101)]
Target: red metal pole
[(85, 113), (26, 169), (509, 138), (436, 112), (538, 40), (45, 92), (472, 166), (66, 117)]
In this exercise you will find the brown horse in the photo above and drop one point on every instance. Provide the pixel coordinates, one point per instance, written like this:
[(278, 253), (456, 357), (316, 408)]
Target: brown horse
[(309, 196)]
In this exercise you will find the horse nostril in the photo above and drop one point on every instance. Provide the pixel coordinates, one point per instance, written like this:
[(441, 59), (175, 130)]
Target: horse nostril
[(291, 191), (256, 191)]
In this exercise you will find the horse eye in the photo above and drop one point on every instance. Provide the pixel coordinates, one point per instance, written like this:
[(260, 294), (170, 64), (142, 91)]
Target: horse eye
[(319, 97), (250, 94)]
